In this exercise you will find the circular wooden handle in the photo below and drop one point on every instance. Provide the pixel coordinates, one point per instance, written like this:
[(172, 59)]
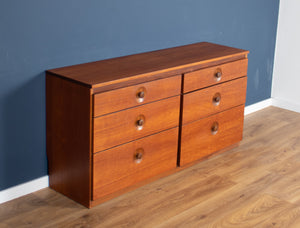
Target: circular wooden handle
[(140, 94), (140, 122), (138, 156), (214, 128), (218, 75), (216, 99)]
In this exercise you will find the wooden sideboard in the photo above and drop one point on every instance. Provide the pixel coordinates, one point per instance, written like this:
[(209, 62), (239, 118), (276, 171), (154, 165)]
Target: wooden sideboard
[(116, 124)]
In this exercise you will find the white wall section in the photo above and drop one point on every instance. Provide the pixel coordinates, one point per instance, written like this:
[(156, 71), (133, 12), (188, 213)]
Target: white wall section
[(286, 76)]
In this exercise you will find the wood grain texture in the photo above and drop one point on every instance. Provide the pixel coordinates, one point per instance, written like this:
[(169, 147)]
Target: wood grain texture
[(68, 133), (119, 168), (254, 213), (149, 102), (198, 141), (149, 66), (127, 97), (199, 104), (129, 81), (121, 127), (207, 77), (253, 185)]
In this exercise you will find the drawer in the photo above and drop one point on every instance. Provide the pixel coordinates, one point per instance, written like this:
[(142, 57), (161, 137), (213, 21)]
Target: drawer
[(131, 96), (128, 164), (206, 136), (213, 75), (130, 124), (204, 102)]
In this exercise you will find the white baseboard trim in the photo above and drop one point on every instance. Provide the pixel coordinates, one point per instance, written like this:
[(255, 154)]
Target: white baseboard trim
[(285, 104), (24, 189), (258, 106)]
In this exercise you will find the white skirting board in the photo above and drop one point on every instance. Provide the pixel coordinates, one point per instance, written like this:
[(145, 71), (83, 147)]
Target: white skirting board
[(24, 189), (277, 102), (258, 106), (286, 104), (43, 182)]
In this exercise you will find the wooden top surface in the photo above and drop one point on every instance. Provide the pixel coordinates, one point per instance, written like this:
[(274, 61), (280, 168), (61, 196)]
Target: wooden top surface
[(166, 61)]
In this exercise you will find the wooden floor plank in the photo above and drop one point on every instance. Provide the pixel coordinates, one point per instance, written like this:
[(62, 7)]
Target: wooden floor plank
[(288, 187), (252, 213), (205, 213), (288, 218), (40, 207), (170, 201)]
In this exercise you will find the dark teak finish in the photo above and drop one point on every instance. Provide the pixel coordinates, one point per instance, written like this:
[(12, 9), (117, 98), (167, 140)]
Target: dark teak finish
[(214, 75), (125, 165), (213, 99), (211, 134), (116, 124), (130, 70), (132, 96), (128, 125), (69, 138)]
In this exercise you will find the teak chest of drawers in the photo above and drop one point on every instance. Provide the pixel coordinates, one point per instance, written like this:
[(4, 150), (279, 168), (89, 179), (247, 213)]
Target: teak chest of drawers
[(116, 124)]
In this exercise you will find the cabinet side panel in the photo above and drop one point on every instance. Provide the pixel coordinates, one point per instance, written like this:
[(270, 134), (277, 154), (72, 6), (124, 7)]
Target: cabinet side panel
[(68, 124)]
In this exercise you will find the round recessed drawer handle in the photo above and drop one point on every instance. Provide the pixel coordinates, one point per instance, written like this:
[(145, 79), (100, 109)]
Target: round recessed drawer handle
[(140, 94), (138, 155), (218, 75), (216, 99), (140, 122), (214, 128)]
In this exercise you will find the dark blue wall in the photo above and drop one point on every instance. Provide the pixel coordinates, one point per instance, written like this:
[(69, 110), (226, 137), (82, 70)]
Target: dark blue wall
[(37, 35)]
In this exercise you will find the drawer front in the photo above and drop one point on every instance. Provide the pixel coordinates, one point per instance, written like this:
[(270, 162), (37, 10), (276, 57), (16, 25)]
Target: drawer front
[(206, 136), (124, 126), (131, 96), (128, 164), (201, 103), (214, 75)]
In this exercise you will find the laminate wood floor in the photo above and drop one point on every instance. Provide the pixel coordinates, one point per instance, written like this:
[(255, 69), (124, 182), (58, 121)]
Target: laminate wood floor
[(254, 185)]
